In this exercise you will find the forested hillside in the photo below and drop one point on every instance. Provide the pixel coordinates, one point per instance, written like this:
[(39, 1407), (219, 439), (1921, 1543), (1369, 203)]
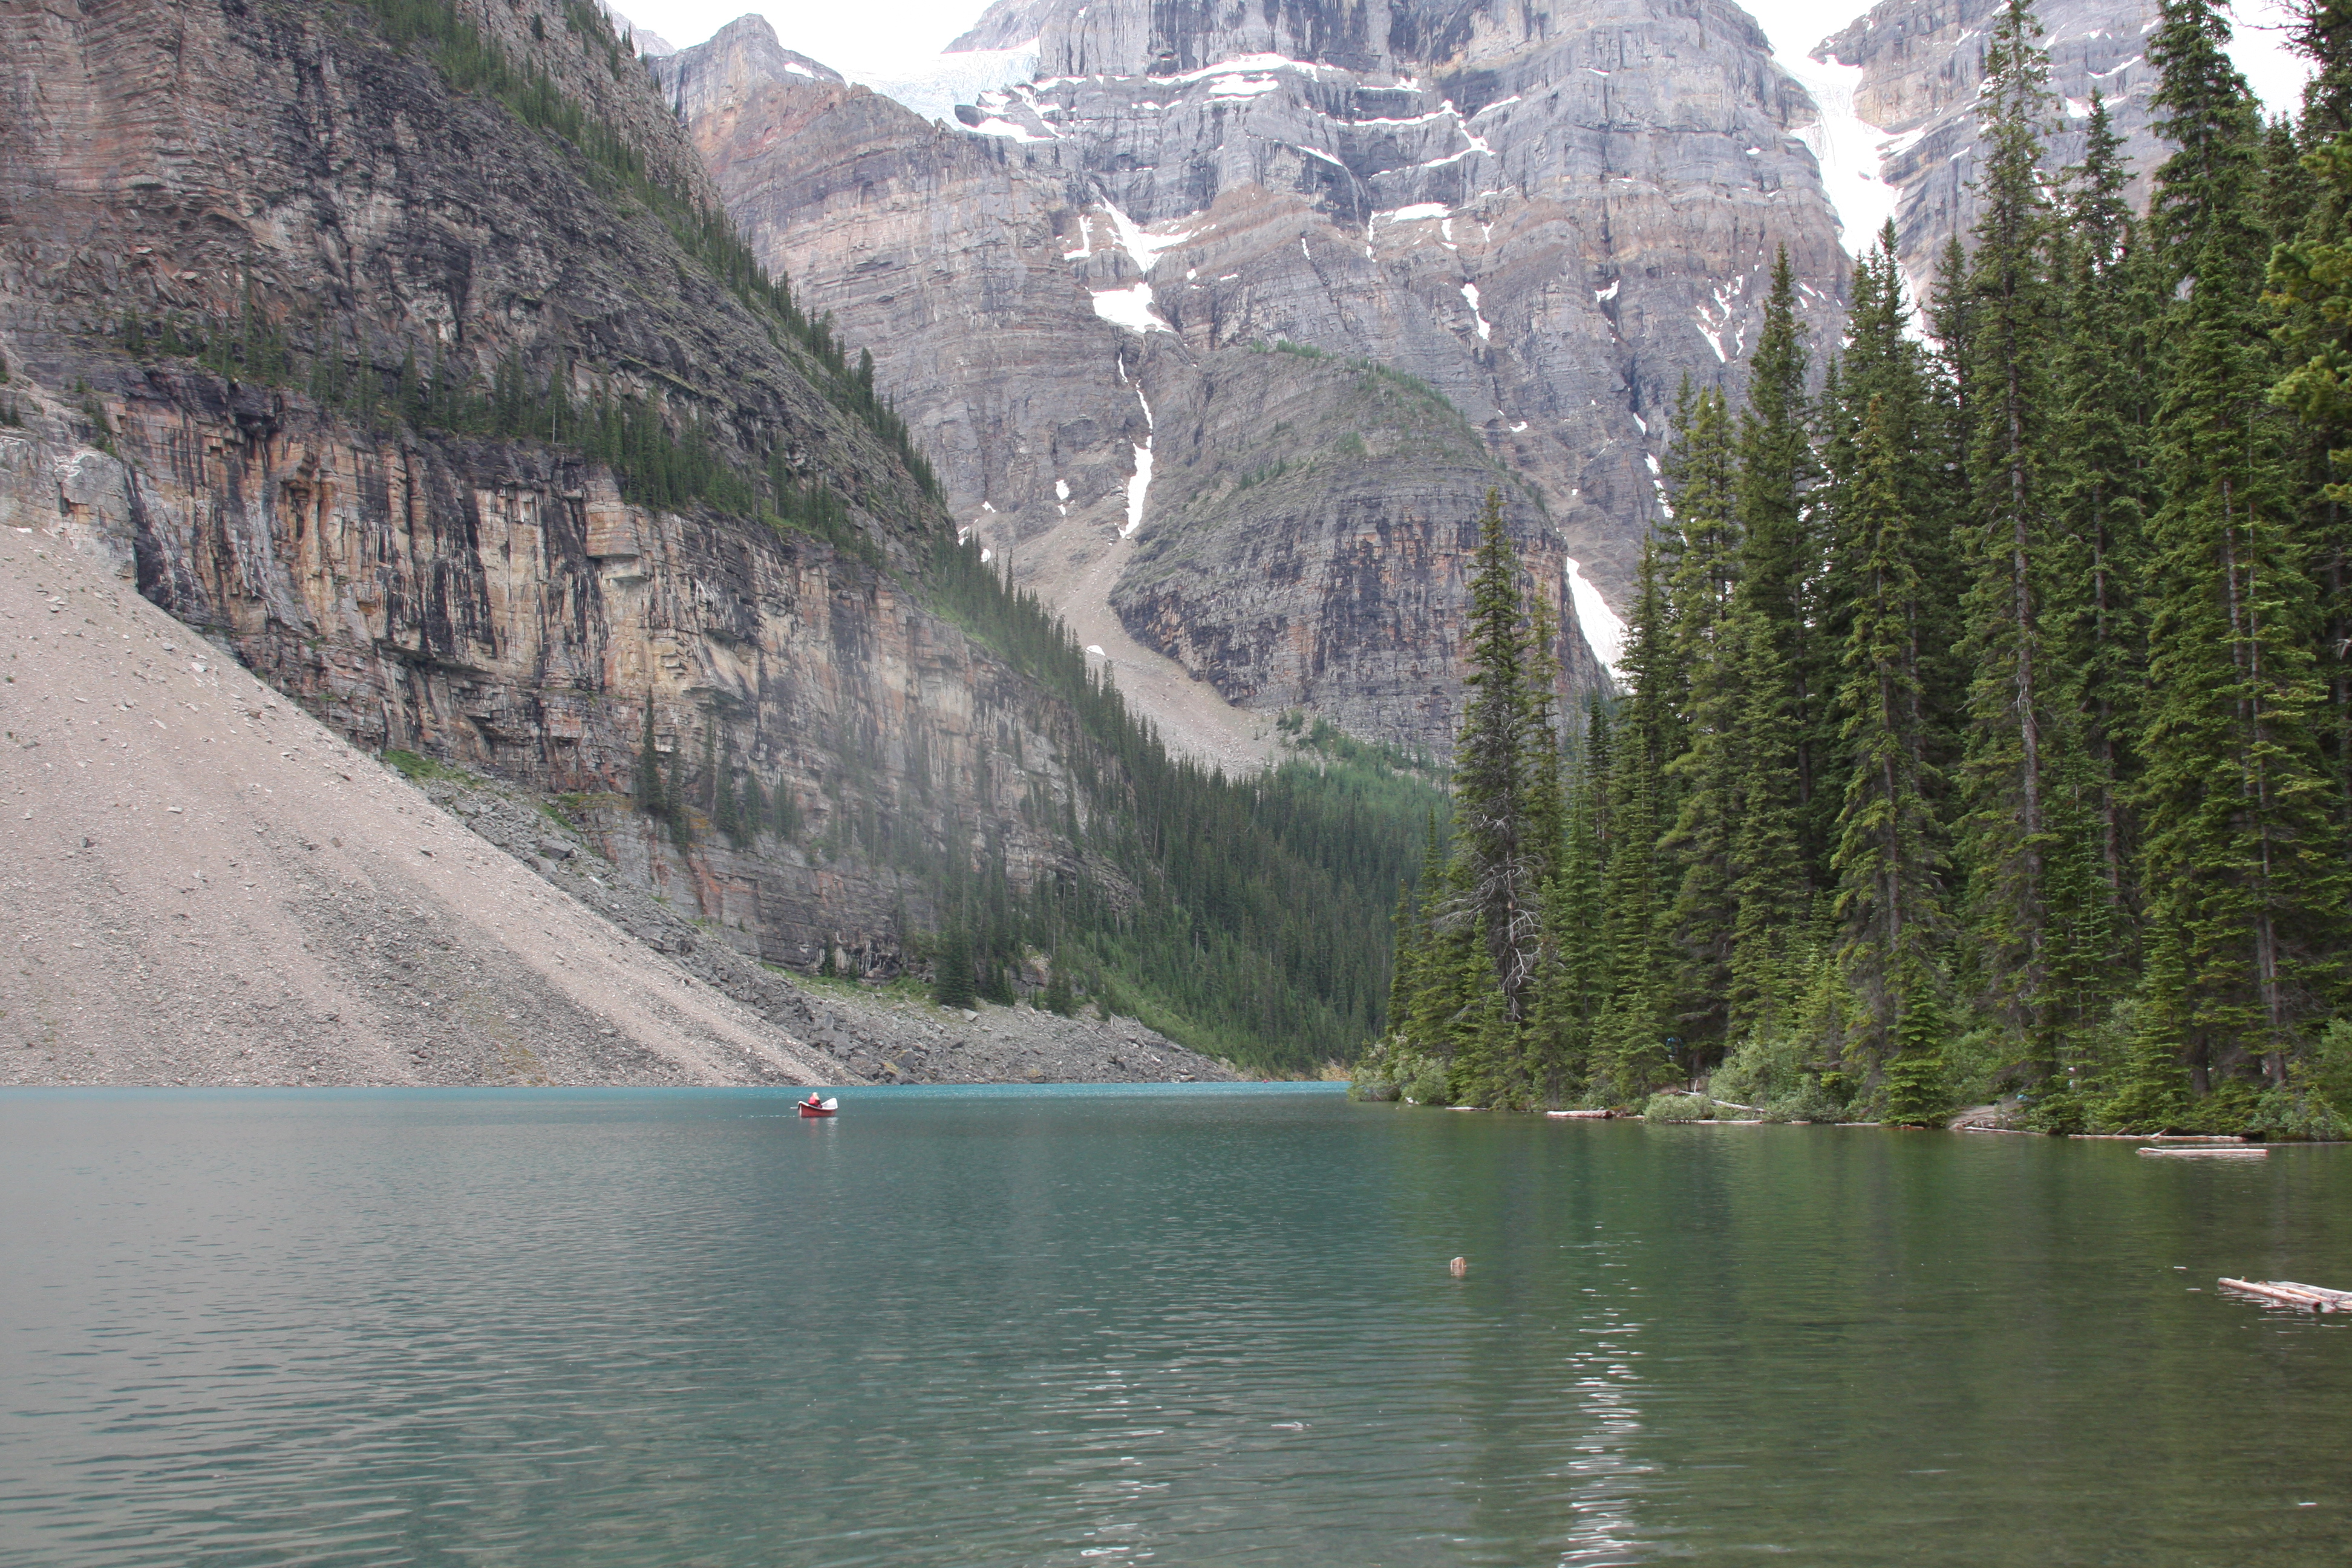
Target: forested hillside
[(1991, 721)]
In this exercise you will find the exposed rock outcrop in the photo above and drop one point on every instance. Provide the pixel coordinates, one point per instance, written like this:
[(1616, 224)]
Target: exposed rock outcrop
[(208, 888), (1318, 521), (1921, 61), (497, 602), (1550, 220)]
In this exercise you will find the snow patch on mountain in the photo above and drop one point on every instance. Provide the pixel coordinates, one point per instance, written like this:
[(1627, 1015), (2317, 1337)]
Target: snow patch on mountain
[(932, 85), (1603, 632), (1847, 147), (1130, 308)]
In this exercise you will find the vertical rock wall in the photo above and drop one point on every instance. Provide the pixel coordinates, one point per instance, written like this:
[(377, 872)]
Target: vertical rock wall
[(275, 171)]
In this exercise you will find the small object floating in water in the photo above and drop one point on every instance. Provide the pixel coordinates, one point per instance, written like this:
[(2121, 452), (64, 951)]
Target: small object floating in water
[(2202, 1153), (1581, 1115), (2287, 1293), (812, 1106), (1458, 1267)]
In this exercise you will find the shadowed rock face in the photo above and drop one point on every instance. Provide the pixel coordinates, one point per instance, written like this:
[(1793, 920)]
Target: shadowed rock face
[(1922, 60), (1317, 527), (1550, 219), (498, 603)]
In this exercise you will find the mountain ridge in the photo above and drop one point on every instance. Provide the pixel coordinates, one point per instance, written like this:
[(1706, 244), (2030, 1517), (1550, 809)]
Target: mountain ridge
[(1091, 234)]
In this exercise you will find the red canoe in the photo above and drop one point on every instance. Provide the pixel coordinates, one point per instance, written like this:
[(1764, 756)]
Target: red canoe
[(826, 1108)]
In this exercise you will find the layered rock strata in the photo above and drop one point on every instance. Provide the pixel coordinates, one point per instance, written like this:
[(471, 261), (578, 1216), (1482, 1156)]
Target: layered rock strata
[(1550, 220), (210, 889), (207, 887), (496, 603), (1319, 521), (1920, 61)]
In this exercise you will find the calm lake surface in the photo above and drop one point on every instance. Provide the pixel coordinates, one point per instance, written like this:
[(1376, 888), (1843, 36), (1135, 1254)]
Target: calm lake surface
[(1201, 1325)]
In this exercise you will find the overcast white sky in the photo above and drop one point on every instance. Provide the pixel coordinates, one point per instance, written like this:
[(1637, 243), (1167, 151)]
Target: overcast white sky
[(863, 39)]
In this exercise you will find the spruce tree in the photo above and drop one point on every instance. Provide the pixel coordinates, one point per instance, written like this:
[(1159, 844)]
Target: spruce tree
[(1630, 1054), (2016, 738), (1404, 965), (2245, 878), (1506, 752), (710, 791), (1917, 1090), (1419, 908), (1884, 363), (2310, 279), (1058, 995), (2207, 185), (1574, 980), (1700, 549), (1890, 857), (652, 798), (2321, 31), (953, 983), (673, 796), (2096, 632), (726, 814), (1785, 736)]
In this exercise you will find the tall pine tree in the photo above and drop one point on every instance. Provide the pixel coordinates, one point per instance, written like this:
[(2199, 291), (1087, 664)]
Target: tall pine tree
[(2245, 880), (2016, 737), (1782, 725)]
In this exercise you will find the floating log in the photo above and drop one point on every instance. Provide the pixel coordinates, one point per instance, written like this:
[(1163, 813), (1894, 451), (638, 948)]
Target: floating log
[(2287, 1293), (2159, 1138), (2240, 1152), (1581, 1115)]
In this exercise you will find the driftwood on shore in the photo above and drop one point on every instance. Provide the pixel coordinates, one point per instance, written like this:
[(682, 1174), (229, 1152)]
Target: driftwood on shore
[(2287, 1293), (2227, 1140)]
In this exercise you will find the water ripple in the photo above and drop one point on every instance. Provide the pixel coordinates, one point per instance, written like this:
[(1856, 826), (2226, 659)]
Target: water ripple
[(1207, 1326)]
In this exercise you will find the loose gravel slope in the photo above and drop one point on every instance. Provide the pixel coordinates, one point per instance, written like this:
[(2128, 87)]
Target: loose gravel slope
[(203, 884)]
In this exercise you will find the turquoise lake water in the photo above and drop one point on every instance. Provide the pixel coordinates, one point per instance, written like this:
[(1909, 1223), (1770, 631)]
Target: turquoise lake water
[(1197, 1325)]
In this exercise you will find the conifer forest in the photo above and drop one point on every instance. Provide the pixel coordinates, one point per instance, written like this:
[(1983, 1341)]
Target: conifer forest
[(1988, 722)]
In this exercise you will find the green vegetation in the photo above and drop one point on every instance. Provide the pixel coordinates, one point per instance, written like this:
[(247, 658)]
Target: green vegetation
[(666, 456), (1402, 380), (1058, 995), (1246, 919), (1257, 931), (954, 983), (1991, 723), (474, 63), (418, 768)]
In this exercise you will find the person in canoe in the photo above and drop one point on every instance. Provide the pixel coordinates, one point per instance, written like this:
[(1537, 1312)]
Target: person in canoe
[(813, 1102)]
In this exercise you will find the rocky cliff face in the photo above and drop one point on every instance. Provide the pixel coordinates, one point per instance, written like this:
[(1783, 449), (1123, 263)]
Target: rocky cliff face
[(497, 602), (1920, 63), (1550, 219), (1317, 519)]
